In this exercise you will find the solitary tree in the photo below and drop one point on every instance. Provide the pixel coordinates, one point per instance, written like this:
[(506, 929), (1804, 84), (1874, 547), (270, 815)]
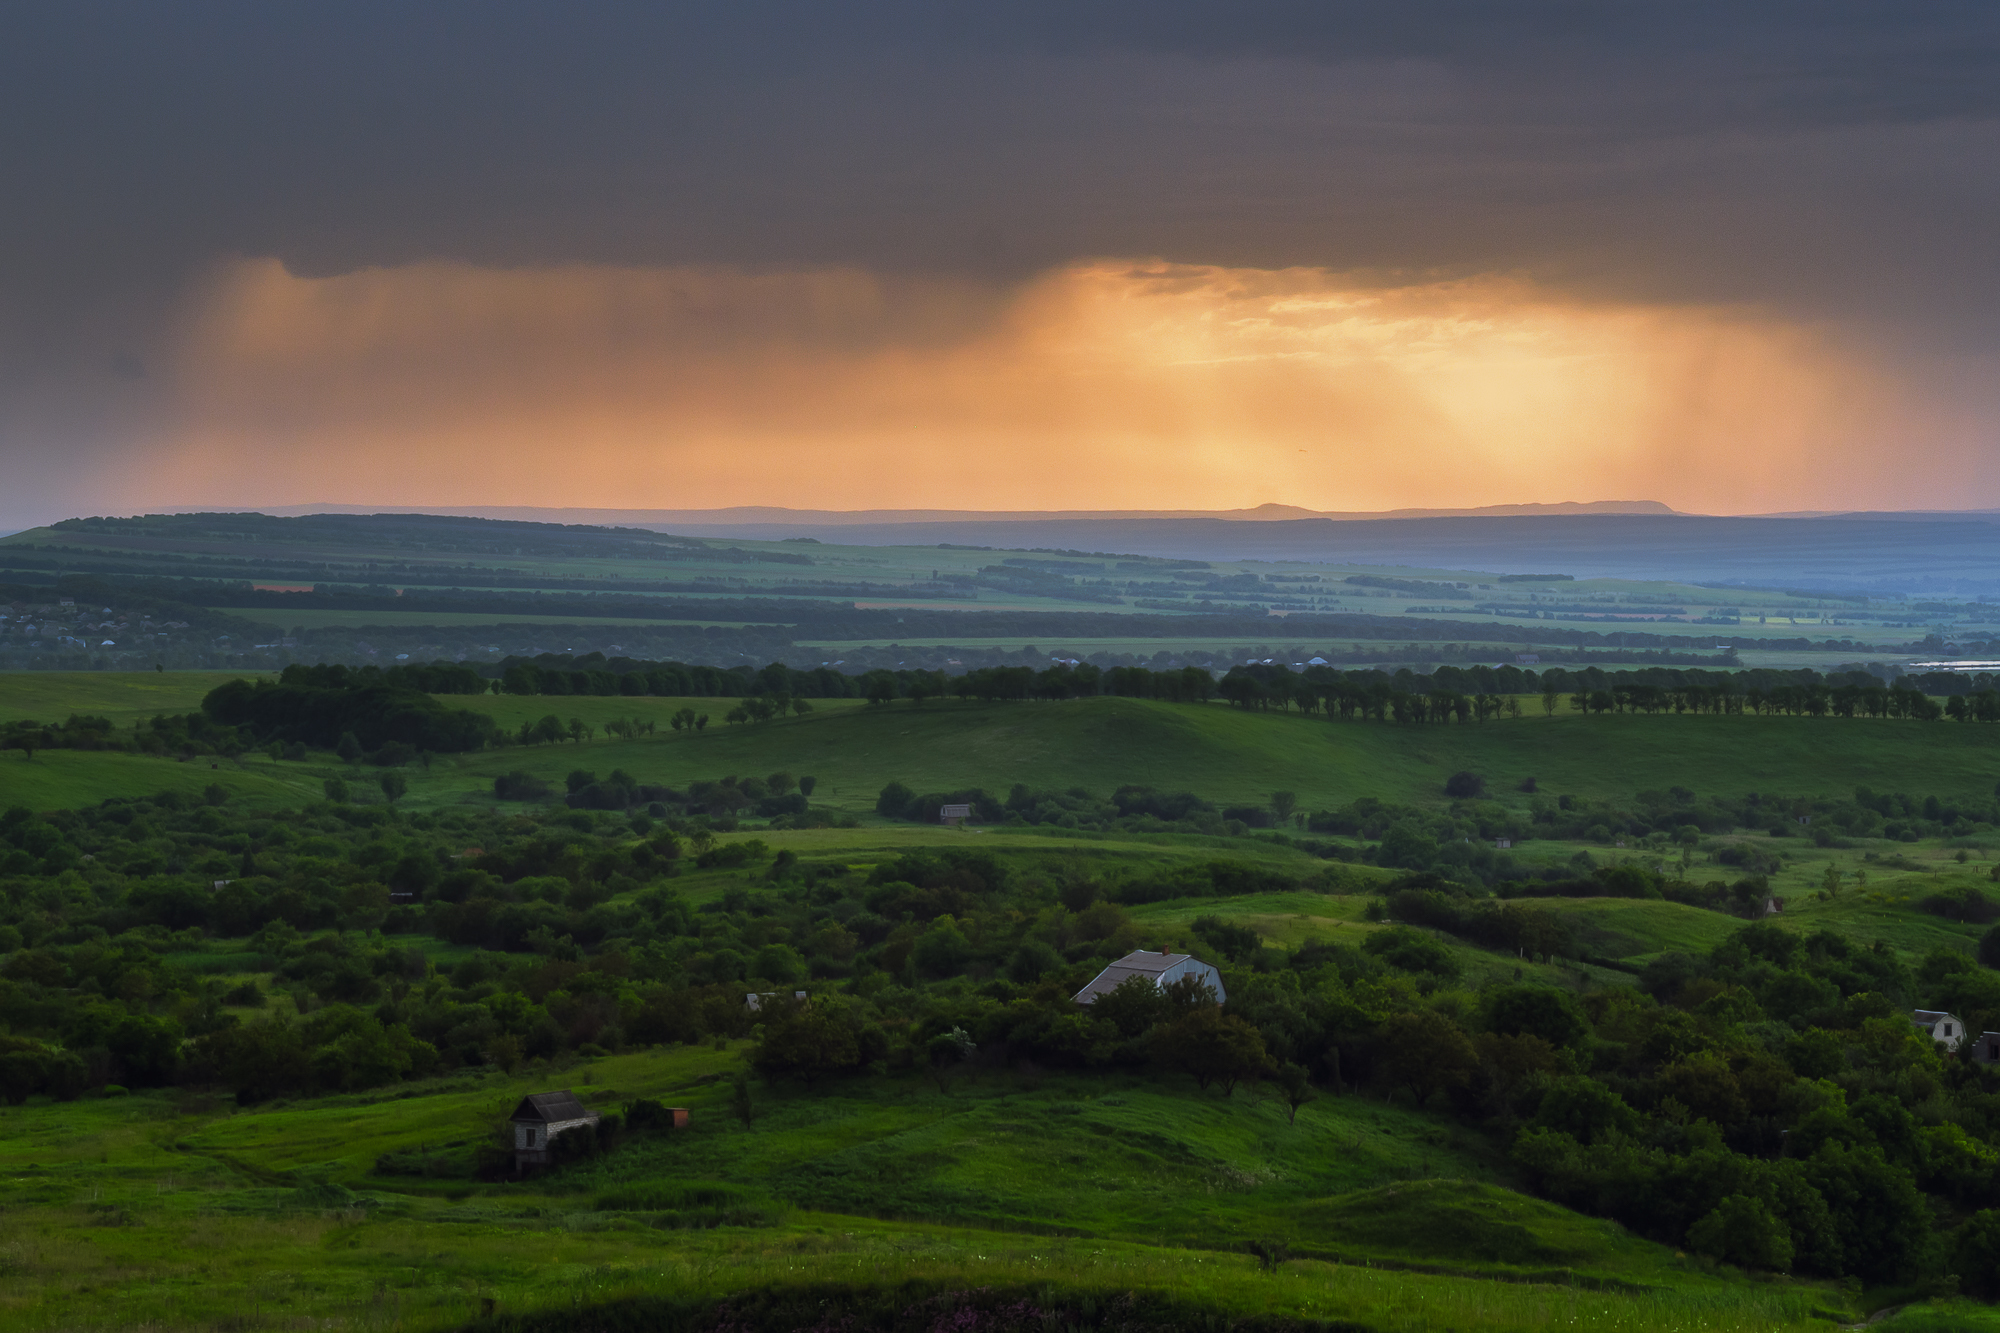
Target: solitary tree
[(1464, 785), (394, 785), (1295, 1088), (1282, 805), (349, 748)]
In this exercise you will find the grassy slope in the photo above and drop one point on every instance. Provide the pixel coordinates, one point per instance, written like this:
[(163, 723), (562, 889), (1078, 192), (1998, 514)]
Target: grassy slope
[(69, 779), (1127, 1162), (1228, 755), (1219, 752), (123, 696), (1099, 744), (177, 1212)]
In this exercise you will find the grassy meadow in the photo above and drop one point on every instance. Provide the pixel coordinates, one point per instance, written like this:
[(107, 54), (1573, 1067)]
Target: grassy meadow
[(170, 1211), (1221, 753), (180, 1209), (123, 696)]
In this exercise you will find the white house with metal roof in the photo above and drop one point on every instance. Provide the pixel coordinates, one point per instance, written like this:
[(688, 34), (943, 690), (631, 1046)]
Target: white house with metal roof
[(1162, 969), (1946, 1029)]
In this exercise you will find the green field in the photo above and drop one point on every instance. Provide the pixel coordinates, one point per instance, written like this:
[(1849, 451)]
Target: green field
[(1221, 753), (381, 555), (1225, 754), (176, 1208), (123, 696), (169, 1211), (321, 619)]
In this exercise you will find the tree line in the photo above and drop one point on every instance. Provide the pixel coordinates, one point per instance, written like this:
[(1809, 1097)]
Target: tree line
[(1476, 695)]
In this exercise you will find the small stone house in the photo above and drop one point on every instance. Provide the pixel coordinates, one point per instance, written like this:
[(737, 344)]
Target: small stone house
[(954, 815), (1162, 968), (1947, 1029), (540, 1118)]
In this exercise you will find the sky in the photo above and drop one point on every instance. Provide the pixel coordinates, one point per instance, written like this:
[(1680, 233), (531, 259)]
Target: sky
[(1734, 257)]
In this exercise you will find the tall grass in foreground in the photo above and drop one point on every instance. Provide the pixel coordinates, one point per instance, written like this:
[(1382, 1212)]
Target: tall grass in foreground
[(332, 1273)]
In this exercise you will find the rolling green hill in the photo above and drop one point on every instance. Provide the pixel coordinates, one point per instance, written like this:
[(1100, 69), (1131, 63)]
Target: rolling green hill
[(176, 1208), (67, 779), (123, 696), (1225, 754), (158, 1211), (1222, 754)]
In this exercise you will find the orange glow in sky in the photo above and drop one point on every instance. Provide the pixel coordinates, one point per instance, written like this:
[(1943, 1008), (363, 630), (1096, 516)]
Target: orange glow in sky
[(1109, 384)]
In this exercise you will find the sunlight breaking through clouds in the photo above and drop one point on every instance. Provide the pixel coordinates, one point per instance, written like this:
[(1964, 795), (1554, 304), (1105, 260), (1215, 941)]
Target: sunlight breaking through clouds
[(1139, 384)]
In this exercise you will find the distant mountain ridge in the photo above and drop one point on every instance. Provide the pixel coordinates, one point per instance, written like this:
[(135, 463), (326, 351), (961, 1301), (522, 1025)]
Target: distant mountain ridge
[(777, 514), (1956, 553)]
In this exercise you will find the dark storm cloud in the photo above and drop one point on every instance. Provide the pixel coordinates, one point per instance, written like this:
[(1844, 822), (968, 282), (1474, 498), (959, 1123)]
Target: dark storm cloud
[(1798, 152)]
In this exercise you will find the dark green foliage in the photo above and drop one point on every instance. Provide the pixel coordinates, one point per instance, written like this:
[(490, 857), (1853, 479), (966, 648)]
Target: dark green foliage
[(1295, 1088), (29, 1067), (1425, 1053), (356, 711), (1540, 1011), (1235, 943), (1412, 951), (810, 1040), (1584, 1109), (1214, 1048), (1133, 1007), (1963, 903), (1742, 1230), (1977, 1254)]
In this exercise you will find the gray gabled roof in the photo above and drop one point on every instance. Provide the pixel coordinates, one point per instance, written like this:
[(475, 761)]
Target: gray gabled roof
[(549, 1107), (1139, 963), (1146, 960)]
